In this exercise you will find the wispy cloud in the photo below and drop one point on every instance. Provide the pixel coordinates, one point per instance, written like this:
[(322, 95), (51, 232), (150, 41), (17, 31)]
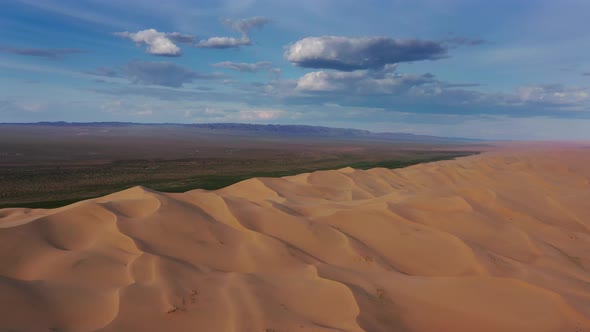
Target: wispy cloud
[(159, 73), (244, 67), (242, 26), (164, 73), (10, 106), (56, 53), (78, 11), (556, 95), (104, 71), (46, 69), (245, 114), (464, 41)]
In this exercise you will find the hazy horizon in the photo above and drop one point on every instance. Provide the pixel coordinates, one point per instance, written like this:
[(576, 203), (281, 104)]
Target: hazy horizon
[(455, 68)]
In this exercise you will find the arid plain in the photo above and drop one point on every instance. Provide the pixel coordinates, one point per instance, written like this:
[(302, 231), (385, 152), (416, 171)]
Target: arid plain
[(48, 165), (493, 242)]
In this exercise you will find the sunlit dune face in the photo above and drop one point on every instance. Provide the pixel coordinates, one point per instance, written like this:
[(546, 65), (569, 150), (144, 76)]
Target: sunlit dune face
[(493, 242)]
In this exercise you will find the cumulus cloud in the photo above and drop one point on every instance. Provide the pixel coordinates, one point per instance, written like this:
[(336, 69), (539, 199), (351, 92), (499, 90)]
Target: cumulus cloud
[(244, 67), (364, 82), (224, 42), (163, 73), (348, 54), (387, 87), (178, 37), (328, 81), (159, 43), (242, 26), (56, 53)]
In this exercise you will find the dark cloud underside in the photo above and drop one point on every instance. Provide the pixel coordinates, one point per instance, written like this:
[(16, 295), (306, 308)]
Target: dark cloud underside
[(348, 54)]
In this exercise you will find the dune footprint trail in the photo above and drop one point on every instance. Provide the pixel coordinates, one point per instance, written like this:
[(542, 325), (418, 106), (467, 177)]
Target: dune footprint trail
[(494, 242)]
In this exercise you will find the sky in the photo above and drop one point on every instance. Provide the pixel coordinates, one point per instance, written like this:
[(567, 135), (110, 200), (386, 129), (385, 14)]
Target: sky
[(504, 69)]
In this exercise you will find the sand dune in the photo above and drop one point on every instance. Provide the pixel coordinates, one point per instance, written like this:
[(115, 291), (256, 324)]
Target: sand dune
[(494, 242)]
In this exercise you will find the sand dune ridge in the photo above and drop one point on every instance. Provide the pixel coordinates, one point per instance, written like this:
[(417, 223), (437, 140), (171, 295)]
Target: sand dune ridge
[(493, 242)]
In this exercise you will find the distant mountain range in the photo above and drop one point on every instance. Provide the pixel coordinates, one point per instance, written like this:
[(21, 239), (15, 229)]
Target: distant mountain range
[(271, 130)]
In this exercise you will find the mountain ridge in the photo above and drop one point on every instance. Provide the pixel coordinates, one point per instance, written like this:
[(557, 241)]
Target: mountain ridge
[(269, 129)]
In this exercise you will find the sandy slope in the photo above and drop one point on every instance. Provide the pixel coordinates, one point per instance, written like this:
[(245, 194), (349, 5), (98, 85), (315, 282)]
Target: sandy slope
[(495, 242)]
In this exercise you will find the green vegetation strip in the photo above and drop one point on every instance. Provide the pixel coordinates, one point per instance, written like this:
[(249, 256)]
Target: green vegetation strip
[(213, 182)]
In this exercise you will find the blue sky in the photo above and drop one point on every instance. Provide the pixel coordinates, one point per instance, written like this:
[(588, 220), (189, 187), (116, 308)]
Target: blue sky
[(486, 69)]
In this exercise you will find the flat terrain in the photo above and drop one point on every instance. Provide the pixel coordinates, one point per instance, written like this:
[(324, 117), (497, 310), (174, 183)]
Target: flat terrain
[(494, 242), (52, 165)]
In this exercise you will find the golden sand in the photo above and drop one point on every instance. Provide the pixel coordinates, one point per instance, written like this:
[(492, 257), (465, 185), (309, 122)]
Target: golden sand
[(493, 242)]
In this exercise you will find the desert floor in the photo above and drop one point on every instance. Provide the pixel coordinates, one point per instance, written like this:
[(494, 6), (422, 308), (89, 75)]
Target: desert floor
[(492, 242), (54, 166)]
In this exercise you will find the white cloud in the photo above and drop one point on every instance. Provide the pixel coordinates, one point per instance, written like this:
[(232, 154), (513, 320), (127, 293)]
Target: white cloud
[(224, 42), (239, 115), (261, 115), (362, 81), (328, 81), (242, 26), (554, 95), (348, 53), (178, 37), (159, 43)]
